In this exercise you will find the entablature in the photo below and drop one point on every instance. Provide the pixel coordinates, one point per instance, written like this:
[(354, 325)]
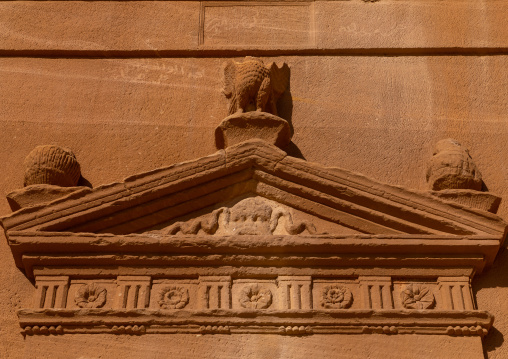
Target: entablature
[(250, 240)]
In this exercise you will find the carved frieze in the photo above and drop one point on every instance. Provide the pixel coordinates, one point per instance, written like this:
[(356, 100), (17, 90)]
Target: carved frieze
[(250, 216), (170, 311)]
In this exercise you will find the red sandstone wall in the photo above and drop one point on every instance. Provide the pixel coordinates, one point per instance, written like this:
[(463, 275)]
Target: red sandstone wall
[(131, 86)]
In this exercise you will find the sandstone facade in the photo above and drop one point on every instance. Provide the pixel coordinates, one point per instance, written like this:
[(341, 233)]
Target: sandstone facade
[(135, 90)]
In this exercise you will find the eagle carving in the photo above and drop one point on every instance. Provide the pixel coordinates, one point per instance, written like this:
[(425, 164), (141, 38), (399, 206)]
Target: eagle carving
[(251, 86)]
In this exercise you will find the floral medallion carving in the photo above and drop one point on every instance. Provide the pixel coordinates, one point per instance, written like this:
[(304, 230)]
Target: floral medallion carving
[(90, 296), (336, 297), (173, 298), (417, 296), (255, 297)]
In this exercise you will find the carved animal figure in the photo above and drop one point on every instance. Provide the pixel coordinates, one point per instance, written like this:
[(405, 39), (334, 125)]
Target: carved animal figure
[(251, 85)]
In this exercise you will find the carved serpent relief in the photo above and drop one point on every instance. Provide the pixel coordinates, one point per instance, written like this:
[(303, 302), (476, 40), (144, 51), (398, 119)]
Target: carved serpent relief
[(255, 216), (417, 296), (255, 297), (250, 85), (336, 297), (90, 296), (173, 298)]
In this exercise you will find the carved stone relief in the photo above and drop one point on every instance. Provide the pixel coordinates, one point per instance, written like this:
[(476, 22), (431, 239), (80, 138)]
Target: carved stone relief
[(51, 172), (51, 165), (307, 318), (417, 296), (173, 298), (295, 292), (251, 216), (255, 297), (456, 293), (377, 292), (336, 297), (252, 86), (453, 176), (91, 296), (260, 277), (451, 167), (253, 90)]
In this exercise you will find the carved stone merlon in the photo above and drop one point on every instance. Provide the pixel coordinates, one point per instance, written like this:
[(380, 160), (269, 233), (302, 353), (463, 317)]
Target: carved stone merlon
[(253, 90)]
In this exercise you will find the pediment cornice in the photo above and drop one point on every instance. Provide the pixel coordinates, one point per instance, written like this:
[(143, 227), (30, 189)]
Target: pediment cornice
[(355, 201), (132, 257)]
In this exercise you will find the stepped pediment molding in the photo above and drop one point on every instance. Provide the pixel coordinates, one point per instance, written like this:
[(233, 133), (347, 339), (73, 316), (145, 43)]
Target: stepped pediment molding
[(251, 240), (253, 169)]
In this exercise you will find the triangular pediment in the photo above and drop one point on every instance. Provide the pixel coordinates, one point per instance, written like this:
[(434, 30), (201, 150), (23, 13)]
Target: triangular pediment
[(347, 201)]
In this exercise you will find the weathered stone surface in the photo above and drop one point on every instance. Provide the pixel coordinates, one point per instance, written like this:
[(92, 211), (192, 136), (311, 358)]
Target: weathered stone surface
[(134, 86), (451, 167), (324, 105), (99, 26), (241, 127), (470, 198), (157, 26), (37, 194), (246, 346)]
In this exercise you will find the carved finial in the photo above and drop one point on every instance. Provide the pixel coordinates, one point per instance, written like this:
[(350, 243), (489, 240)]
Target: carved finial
[(253, 91), (451, 167), (51, 165), (252, 86)]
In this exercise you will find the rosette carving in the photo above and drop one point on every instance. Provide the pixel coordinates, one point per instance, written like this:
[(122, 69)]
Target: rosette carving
[(255, 297), (417, 296), (90, 296), (336, 297), (173, 298)]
